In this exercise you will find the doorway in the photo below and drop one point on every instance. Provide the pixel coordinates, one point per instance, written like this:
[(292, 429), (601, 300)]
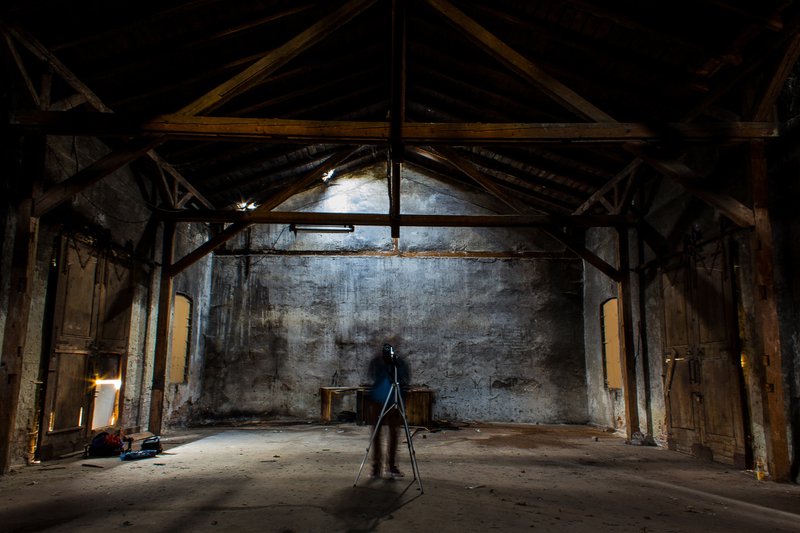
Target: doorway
[(85, 370), (703, 382)]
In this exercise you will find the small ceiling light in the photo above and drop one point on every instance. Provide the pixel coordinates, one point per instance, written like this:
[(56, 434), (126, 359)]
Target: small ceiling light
[(328, 175), (316, 228), (246, 206)]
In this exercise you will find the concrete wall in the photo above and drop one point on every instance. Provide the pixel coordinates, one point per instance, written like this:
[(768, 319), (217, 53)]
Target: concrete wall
[(489, 319)]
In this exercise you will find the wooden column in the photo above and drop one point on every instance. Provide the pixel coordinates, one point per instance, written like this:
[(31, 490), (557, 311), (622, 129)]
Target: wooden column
[(19, 301), (398, 112), (163, 327), (624, 301), (767, 322)]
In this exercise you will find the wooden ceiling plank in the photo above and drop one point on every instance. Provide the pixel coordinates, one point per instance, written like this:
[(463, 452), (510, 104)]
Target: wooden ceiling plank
[(262, 68), (553, 88)]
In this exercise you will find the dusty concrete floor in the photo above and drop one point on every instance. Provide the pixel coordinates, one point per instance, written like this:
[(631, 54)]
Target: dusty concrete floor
[(297, 478)]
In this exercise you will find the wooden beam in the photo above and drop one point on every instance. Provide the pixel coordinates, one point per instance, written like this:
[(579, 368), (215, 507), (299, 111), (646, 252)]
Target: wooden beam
[(579, 248), (382, 219), (268, 64), (65, 190), (290, 130), (768, 321), (551, 87)]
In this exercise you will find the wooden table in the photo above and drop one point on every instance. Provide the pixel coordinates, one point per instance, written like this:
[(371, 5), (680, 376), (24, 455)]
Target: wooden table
[(418, 400)]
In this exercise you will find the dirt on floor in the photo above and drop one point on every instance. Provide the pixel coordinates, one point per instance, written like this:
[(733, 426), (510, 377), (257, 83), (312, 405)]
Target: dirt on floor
[(302, 477)]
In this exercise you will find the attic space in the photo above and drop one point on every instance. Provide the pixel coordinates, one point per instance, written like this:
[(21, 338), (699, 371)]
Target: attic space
[(564, 214)]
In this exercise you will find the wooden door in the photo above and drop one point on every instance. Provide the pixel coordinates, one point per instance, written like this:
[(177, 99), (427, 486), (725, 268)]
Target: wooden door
[(703, 377), (90, 325)]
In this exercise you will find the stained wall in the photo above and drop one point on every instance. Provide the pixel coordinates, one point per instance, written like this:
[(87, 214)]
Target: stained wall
[(489, 319)]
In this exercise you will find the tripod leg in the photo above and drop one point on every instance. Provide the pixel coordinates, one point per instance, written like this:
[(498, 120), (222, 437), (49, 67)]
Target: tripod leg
[(385, 409), (412, 454)]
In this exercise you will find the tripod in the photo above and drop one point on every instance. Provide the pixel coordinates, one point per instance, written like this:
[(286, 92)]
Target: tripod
[(394, 400)]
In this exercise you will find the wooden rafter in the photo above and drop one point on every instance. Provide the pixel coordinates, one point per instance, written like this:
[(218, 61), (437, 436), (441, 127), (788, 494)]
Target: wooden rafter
[(262, 68), (550, 86)]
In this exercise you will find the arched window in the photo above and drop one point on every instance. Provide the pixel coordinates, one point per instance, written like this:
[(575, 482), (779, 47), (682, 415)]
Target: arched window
[(612, 354), (181, 339)]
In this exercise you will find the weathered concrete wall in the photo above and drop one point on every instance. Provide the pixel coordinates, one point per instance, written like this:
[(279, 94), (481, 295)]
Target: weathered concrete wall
[(497, 336), (495, 339)]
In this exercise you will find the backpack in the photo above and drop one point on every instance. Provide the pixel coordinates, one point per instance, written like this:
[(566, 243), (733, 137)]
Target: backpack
[(152, 443), (104, 444)]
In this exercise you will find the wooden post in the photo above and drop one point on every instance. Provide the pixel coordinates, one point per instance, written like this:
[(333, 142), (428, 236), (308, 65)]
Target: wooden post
[(19, 303), (163, 327), (625, 299), (767, 321), (398, 112)]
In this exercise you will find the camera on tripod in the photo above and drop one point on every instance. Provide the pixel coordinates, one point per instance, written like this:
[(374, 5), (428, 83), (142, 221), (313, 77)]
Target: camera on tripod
[(388, 351)]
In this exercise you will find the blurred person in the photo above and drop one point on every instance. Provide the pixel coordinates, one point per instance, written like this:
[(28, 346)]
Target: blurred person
[(381, 372)]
